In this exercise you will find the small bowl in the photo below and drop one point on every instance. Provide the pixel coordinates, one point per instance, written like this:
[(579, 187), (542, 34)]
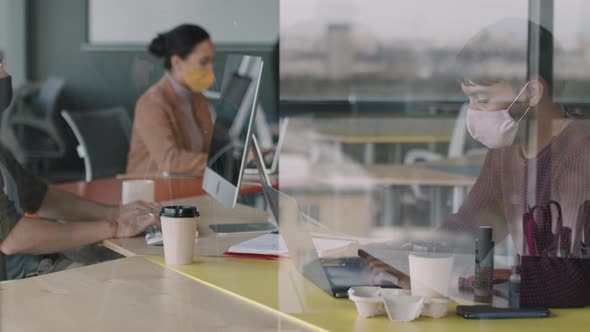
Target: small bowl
[(436, 307), (368, 301), (403, 308)]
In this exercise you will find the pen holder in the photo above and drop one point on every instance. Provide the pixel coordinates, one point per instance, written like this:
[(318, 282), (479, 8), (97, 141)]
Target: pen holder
[(555, 282)]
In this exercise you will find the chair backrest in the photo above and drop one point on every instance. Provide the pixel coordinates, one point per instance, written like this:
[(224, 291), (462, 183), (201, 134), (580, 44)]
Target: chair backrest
[(48, 98), (103, 137)]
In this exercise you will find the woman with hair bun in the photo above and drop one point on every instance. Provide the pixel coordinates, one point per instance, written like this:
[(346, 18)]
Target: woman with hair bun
[(173, 122)]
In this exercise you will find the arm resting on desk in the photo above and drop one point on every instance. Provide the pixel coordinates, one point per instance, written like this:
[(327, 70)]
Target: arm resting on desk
[(62, 205), (39, 236)]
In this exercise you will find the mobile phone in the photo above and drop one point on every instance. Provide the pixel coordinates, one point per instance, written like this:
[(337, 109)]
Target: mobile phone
[(489, 312)]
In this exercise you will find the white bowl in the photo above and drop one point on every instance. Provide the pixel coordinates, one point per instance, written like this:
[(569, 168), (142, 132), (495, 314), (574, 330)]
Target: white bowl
[(436, 307), (403, 308), (368, 301)]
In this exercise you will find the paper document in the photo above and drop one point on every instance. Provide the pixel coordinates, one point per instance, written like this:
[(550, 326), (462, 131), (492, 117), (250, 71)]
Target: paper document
[(273, 244)]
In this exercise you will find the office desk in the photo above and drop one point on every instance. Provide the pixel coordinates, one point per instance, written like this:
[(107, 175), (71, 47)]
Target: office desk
[(351, 185), (208, 243), (225, 294), (276, 285), (455, 172), (109, 190), (369, 131), (130, 294)]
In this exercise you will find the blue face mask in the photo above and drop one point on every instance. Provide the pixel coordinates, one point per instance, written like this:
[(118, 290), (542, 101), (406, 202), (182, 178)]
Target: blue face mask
[(5, 92)]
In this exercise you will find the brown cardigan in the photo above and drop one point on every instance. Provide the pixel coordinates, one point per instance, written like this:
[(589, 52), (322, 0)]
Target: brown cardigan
[(160, 141)]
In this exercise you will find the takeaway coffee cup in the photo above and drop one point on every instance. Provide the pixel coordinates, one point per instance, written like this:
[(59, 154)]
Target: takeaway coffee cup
[(179, 224), (430, 274)]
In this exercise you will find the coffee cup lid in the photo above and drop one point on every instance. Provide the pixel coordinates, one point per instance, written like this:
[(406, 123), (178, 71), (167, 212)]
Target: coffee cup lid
[(179, 211)]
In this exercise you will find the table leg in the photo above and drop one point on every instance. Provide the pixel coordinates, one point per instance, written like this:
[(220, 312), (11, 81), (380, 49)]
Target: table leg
[(436, 207), (369, 153), (392, 206)]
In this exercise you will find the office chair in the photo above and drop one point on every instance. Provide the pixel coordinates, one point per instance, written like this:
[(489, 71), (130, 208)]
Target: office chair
[(458, 146), (30, 126), (103, 140)]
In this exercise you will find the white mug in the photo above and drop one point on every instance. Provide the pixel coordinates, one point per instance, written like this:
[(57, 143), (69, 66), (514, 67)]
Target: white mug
[(135, 190)]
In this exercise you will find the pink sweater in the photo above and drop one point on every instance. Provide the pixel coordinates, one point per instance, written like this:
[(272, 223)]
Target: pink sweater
[(509, 183)]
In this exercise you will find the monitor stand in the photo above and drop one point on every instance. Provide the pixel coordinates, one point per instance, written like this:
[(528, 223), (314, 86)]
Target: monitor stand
[(256, 227)]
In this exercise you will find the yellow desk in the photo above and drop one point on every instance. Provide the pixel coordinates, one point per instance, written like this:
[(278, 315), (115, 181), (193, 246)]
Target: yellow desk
[(384, 130), (277, 286), (370, 131)]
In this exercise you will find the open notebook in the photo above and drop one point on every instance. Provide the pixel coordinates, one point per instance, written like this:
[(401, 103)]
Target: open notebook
[(273, 246)]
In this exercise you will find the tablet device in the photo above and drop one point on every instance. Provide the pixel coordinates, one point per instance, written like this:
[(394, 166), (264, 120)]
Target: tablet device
[(489, 312)]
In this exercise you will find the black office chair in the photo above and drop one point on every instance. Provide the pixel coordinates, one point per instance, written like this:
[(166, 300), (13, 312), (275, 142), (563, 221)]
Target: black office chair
[(103, 140), (31, 127)]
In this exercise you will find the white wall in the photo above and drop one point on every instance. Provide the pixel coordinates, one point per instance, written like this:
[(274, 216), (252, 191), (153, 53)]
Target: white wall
[(12, 38), (138, 21)]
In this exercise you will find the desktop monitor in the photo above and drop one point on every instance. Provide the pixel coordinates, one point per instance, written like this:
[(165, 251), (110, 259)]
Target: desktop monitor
[(233, 128)]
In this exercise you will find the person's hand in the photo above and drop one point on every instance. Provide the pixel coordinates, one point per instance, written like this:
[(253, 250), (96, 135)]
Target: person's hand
[(379, 273), (133, 218)]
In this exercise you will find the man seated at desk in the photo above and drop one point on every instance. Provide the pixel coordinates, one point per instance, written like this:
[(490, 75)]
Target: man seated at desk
[(28, 242), (538, 153)]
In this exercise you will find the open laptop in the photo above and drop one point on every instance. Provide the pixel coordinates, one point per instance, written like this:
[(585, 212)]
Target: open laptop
[(333, 275)]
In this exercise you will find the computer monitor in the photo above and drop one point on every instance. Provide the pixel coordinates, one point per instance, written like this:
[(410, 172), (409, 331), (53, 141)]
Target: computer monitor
[(233, 128)]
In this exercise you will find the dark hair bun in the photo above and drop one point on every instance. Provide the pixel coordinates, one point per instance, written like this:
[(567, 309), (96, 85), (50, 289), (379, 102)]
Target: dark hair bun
[(179, 41), (157, 46)]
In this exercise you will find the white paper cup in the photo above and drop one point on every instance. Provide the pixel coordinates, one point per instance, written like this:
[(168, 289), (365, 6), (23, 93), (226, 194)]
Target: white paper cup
[(179, 224), (135, 190), (368, 301), (403, 308), (430, 274)]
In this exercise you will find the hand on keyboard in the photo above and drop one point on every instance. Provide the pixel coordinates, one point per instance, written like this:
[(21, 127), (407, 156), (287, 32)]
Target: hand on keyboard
[(153, 236)]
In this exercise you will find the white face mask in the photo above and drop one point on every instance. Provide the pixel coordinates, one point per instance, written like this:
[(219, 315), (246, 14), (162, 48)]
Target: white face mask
[(494, 129)]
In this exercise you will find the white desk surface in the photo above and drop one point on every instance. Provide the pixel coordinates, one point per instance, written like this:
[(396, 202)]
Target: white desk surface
[(130, 294), (208, 244)]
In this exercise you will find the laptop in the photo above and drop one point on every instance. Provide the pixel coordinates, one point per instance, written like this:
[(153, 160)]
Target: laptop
[(333, 275)]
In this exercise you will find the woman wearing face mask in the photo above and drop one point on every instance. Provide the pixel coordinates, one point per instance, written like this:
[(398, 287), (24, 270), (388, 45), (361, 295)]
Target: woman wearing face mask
[(537, 154), (173, 122)]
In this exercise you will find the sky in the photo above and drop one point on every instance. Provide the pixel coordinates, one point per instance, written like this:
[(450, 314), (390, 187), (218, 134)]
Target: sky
[(450, 21)]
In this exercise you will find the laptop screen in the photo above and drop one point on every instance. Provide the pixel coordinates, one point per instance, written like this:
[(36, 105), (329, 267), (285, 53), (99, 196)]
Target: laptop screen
[(302, 250)]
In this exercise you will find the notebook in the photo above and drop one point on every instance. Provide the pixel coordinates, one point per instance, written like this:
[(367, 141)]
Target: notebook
[(273, 246)]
